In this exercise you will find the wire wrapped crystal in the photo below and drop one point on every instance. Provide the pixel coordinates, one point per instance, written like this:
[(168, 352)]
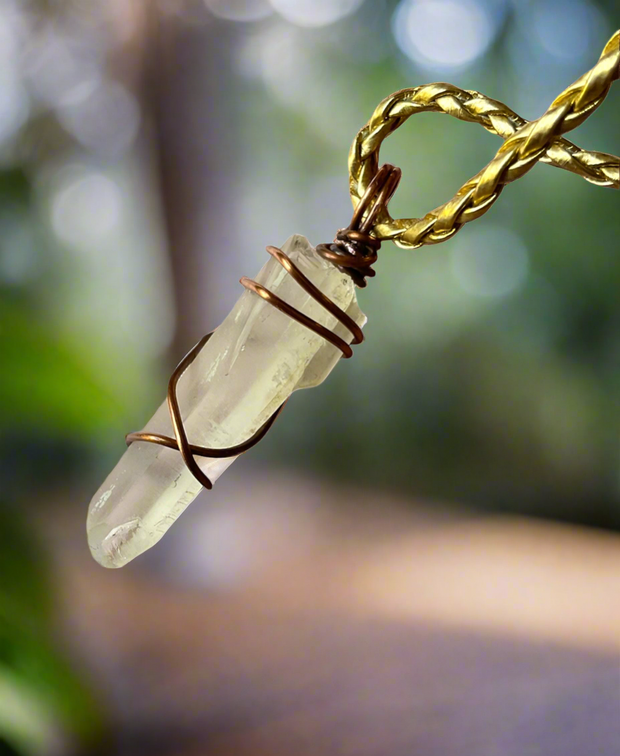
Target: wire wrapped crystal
[(253, 362)]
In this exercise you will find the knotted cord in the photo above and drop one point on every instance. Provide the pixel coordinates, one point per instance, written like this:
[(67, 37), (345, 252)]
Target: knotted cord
[(526, 143)]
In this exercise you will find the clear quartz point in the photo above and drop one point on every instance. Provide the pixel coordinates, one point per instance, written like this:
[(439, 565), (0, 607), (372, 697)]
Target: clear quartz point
[(252, 363)]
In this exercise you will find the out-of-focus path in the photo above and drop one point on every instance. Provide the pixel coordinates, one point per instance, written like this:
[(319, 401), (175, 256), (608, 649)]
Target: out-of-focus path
[(311, 620)]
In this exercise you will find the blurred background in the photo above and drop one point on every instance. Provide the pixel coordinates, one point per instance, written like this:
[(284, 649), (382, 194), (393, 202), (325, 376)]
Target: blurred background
[(423, 555)]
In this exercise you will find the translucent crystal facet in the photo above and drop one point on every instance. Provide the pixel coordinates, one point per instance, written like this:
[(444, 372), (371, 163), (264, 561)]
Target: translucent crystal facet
[(251, 364)]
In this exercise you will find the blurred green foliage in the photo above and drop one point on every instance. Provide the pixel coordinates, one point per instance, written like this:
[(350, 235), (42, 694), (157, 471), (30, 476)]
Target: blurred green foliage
[(44, 386), (39, 693), (45, 392)]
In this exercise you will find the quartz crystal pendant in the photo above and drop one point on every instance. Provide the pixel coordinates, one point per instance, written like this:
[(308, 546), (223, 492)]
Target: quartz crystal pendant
[(248, 368)]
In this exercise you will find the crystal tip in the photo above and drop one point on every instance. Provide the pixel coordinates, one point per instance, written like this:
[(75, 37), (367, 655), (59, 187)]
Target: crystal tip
[(114, 547)]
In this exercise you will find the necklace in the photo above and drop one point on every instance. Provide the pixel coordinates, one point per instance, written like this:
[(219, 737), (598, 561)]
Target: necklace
[(300, 315)]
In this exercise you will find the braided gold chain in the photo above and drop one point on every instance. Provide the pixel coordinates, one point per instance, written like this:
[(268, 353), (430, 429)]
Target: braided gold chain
[(526, 143)]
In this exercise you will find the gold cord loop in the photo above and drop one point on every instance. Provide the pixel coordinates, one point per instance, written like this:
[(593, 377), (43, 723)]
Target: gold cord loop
[(526, 143)]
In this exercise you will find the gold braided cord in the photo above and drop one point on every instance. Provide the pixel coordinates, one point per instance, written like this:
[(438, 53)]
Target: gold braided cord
[(526, 143)]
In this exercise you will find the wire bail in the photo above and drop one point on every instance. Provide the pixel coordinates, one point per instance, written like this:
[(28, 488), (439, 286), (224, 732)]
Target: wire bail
[(526, 143), (354, 250)]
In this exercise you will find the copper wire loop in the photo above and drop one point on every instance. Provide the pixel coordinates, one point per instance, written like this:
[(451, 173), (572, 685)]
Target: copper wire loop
[(354, 250)]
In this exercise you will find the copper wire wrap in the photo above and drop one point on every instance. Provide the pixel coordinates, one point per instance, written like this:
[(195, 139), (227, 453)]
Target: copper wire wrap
[(354, 250), (180, 441)]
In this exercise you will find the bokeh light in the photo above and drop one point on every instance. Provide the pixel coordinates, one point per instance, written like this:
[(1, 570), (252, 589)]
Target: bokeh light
[(282, 57), (549, 44), (103, 116), (14, 100), (58, 63), (315, 13), (491, 261), (568, 31), (240, 10), (443, 34), (87, 205)]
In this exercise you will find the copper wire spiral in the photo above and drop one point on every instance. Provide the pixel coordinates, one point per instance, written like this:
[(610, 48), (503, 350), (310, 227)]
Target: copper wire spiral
[(354, 251)]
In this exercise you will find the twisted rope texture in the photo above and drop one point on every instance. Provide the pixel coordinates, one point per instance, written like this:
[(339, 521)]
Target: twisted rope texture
[(526, 143)]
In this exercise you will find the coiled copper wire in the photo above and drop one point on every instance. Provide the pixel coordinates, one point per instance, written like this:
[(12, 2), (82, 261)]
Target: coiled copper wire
[(354, 251)]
